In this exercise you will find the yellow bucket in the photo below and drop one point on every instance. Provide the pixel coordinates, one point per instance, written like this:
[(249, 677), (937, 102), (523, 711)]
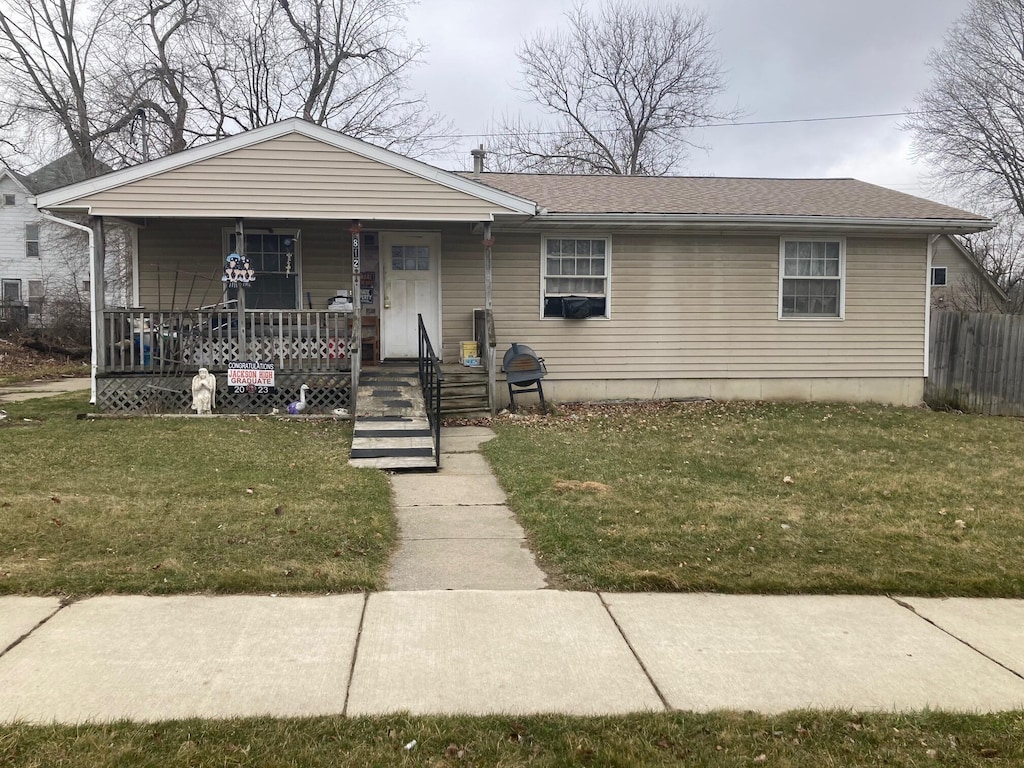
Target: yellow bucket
[(469, 349)]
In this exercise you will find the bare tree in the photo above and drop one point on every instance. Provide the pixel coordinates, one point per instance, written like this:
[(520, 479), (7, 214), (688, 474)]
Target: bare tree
[(1000, 253), (52, 53), (970, 121), (161, 71), (622, 88), (206, 68), (338, 63), (969, 125), (10, 145)]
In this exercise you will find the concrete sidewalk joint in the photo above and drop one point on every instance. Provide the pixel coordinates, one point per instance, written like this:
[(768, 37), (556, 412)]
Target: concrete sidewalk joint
[(650, 678), (35, 606), (903, 603), (355, 654)]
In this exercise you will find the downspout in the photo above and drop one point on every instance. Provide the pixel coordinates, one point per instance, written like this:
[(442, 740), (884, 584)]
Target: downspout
[(93, 309), (932, 239)]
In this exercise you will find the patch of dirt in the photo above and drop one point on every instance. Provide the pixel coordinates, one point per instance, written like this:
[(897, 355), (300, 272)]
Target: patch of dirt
[(591, 486), (18, 359)]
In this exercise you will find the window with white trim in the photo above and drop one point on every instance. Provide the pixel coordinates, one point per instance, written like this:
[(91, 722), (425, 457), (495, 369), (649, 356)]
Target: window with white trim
[(32, 241), (811, 275), (939, 276), (9, 199), (575, 272), (275, 260)]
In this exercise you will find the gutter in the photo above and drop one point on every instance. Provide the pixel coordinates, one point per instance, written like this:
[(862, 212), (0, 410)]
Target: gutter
[(755, 221), (93, 310)]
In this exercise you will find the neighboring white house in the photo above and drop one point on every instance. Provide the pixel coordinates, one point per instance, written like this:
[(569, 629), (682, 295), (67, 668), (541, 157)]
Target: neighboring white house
[(44, 265), (21, 266)]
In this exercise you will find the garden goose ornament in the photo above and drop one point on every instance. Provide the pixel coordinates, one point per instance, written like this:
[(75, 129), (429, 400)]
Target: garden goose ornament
[(299, 405)]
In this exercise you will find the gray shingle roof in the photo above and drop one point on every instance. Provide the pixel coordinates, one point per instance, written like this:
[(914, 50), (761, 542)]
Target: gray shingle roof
[(712, 195), (66, 169)]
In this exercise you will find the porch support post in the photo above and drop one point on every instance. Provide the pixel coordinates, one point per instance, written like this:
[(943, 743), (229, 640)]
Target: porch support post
[(243, 350), (489, 320), (356, 347), (97, 301)]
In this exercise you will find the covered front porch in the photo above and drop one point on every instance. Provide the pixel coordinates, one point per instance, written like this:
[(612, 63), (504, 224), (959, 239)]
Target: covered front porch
[(147, 358), (344, 245)]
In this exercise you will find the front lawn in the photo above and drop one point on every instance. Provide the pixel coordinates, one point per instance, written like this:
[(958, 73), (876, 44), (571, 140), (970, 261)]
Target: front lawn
[(794, 740), (769, 498), (163, 506)]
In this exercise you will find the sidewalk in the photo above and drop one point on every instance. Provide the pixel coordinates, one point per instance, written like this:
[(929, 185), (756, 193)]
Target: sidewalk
[(151, 658), (31, 390), (508, 649)]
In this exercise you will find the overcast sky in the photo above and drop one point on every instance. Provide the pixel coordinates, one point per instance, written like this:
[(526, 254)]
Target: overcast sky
[(785, 59)]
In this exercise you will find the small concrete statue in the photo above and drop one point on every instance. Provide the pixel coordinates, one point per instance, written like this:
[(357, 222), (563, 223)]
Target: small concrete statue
[(204, 392)]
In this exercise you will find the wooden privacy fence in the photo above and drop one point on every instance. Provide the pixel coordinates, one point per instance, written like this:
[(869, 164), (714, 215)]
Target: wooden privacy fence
[(976, 363)]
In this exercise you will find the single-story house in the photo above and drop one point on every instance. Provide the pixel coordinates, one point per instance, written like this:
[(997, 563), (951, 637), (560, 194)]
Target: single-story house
[(629, 287)]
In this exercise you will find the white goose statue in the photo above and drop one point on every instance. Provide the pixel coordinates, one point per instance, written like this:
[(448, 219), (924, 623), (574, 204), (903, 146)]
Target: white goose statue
[(299, 405)]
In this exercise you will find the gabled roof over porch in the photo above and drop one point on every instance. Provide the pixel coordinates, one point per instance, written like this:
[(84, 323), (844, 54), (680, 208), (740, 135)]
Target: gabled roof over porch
[(289, 170)]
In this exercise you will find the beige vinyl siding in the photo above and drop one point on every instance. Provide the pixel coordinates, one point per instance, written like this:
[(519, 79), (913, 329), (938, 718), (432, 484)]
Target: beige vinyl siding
[(702, 307), (181, 262), (965, 287), (292, 177)]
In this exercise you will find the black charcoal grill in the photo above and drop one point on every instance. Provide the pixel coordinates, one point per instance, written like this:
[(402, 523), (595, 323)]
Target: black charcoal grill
[(523, 372)]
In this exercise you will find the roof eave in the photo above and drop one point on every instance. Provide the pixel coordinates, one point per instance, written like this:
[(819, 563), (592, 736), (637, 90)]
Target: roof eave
[(763, 221)]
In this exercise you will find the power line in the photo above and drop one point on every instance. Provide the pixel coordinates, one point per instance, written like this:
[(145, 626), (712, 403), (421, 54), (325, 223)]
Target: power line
[(723, 124)]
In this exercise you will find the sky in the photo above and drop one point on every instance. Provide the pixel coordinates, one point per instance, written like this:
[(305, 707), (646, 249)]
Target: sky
[(785, 59)]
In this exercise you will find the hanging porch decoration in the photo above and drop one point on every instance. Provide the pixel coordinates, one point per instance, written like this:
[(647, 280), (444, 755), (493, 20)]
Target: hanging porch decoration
[(238, 271)]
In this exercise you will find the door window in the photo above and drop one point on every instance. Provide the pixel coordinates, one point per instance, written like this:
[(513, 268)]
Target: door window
[(410, 258)]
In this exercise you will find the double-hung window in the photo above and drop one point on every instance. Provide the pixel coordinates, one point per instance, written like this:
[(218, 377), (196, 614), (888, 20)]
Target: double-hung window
[(35, 297), (811, 277), (32, 241), (575, 276)]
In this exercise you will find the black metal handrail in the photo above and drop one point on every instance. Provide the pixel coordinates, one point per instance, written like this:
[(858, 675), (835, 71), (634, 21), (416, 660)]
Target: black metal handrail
[(430, 381)]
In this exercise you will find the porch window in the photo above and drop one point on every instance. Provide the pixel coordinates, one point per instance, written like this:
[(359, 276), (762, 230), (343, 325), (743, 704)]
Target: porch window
[(811, 274), (32, 241), (577, 269), (275, 260)]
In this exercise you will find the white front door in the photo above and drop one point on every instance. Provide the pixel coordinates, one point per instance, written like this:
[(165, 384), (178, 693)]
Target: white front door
[(410, 262)]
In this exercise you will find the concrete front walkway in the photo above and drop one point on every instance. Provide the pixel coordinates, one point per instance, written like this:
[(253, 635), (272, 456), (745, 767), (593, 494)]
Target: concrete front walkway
[(455, 531), (477, 652)]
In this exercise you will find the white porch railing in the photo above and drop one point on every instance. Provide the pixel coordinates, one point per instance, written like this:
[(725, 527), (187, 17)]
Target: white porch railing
[(138, 341)]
